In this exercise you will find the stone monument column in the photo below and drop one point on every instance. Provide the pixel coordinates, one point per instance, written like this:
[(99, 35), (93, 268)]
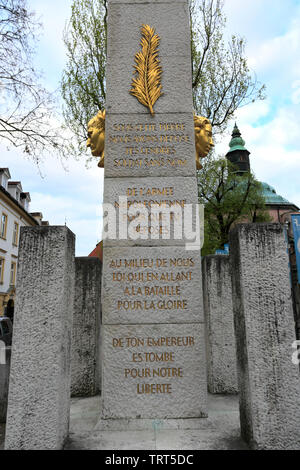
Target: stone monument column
[(39, 385), (85, 361), (269, 381), (218, 313), (152, 322)]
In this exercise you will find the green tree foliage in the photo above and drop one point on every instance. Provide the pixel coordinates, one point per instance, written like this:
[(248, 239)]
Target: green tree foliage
[(222, 81), (228, 199), (83, 81), (27, 110)]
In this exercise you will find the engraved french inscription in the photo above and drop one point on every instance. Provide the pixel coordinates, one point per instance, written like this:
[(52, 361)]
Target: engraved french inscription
[(142, 146), (153, 369), (164, 202), (151, 285)]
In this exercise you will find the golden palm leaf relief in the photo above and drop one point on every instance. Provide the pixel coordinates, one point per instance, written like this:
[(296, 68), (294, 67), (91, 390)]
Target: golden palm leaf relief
[(146, 86)]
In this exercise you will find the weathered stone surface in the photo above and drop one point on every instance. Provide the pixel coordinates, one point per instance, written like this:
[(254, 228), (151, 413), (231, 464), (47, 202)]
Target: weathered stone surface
[(165, 146), (155, 166), (163, 192), (4, 381), (218, 310), (221, 430), (124, 34), (39, 389), (176, 83), (151, 285), (184, 395), (268, 380), (85, 363), (171, 25)]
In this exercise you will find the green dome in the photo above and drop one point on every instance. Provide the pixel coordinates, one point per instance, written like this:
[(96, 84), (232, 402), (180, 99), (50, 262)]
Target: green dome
[(271, 197), (237, 142)]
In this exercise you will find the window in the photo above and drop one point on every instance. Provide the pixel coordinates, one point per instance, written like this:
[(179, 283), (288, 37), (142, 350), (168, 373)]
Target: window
[(12, 274), (2, 262), (15, 233), (3, 225)]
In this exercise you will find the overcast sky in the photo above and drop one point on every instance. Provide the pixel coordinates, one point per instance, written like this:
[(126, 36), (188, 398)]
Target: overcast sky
[(271, 128)]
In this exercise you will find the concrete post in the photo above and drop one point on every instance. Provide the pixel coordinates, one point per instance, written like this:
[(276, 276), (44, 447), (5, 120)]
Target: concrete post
[(220, 338), (85, 363), (268, 380), (39, 390)]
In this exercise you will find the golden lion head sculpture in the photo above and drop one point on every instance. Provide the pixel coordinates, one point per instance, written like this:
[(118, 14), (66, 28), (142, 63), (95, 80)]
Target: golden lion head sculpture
[(96, 137), (203, 138)]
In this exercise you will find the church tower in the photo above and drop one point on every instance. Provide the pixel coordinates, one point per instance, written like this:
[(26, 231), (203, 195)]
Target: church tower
[(238, 155)]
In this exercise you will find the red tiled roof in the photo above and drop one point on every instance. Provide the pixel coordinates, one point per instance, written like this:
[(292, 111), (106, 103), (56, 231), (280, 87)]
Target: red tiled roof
[(98, 251)]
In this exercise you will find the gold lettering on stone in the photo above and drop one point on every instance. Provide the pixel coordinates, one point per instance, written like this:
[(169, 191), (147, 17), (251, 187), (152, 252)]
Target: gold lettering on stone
[(153, 364), (166, 289), (146, 388), (157, 144)]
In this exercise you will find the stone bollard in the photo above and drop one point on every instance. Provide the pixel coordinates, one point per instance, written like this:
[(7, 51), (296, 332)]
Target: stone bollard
[(269, 382), (220, 338), (4, 380), (85, 363), (39, 390)]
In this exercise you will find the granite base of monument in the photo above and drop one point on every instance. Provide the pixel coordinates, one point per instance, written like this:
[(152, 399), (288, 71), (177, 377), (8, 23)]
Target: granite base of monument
[(152, 371)]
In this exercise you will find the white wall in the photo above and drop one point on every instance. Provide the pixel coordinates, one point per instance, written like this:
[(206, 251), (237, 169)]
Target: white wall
[(8, 251)]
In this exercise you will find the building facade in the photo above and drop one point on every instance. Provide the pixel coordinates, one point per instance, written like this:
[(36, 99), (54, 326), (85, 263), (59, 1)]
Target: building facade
[(278, 207), (14, 213)]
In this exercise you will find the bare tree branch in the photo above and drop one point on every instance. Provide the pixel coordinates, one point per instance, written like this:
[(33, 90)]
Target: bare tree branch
[(27, 110), (222, 81)]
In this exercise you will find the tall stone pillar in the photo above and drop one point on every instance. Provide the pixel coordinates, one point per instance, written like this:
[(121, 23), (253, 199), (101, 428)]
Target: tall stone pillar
[(39, 388), (218, 312), (269, 382), (153, 326), (85, 363)]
